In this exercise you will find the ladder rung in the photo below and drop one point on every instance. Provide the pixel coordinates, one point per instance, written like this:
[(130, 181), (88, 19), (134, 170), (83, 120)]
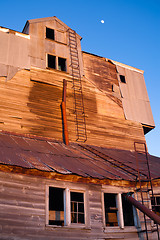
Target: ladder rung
[(74, 55), (75, 68), (82, 135), (72, 31), (71, 39), (75, 60), (74, 51), (72, 36), (81, 122), (78, 98), (72, 45)]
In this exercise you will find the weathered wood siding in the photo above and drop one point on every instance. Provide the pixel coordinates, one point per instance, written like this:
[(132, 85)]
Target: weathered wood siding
[(23, 214), (30, 103), (40, 45)]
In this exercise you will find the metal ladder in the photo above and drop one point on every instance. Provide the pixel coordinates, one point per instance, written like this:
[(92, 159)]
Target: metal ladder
[(77, 88), (146, 192)]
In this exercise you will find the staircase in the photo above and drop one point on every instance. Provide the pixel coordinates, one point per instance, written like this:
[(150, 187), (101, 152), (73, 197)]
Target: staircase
[(77, 88), (144, 195)]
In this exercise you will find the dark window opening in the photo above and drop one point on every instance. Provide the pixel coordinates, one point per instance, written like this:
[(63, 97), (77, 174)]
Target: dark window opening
[(77, 207), (127, 212), (155, 202), (122, 78), (50, 33), (62, 64), (56, 206), (110, 209), (51, 61)]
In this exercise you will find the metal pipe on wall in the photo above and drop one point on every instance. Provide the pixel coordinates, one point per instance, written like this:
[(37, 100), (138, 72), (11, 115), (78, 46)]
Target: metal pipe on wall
[(143, 209), (64, 117)]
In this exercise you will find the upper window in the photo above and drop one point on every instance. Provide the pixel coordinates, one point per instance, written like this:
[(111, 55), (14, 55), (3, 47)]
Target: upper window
[(51, 61), (63, 212), (122, 78), (56, 62), (62, 64), (50, 33)]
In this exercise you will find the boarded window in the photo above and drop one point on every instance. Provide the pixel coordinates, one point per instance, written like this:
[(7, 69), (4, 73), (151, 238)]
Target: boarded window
[(50, 33), (77, 207), (110, 209), (51, 61), (56, 206), (122, 78), (62, 64), (127, 212)]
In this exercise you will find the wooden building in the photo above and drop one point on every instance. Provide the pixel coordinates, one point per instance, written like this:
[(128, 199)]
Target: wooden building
[(72, 140)]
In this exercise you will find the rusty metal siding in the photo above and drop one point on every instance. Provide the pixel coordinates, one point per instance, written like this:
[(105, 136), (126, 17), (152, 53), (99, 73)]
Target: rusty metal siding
[(135, 99), (54, 156), (14, 50)]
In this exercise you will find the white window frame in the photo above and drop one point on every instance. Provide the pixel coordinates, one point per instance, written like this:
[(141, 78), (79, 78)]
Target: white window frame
[(120, 218), (119, 212), (67, 207)]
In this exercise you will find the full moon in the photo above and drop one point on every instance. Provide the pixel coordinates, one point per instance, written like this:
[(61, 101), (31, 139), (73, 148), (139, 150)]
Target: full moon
[(102, 21)]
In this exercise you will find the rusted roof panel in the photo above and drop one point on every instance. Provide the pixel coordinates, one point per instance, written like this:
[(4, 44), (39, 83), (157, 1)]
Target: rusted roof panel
[(82, 160)]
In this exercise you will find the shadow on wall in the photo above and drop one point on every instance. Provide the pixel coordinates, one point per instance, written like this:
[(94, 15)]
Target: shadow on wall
[(44, 101)]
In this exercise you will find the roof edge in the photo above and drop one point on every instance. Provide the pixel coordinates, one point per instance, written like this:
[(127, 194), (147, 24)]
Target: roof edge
[(36, 20), (116, 63)]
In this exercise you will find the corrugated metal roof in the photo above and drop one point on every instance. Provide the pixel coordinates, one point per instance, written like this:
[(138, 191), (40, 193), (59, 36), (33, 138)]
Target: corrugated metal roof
[(82, 160)]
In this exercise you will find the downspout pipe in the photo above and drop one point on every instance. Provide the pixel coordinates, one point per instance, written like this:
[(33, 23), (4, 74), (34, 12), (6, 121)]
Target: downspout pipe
[(143, 209), (64, 116)]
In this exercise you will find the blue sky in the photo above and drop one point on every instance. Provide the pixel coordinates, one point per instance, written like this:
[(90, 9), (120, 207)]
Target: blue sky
[(130, 34)]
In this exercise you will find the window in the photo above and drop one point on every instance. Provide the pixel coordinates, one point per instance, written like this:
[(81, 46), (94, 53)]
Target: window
[(127, 212), (50, 33), (62, 64), (117, 211), (56, 62), (56, 206), (122, 78), (51, 61), (77, 207), (111, 209), (155, 202), (65, 207)]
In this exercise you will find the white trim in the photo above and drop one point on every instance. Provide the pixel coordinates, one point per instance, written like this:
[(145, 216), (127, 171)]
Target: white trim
[(103, 211), (67, 206), (47, 204), (84, 200), (4, 30), (120, 210), (22, 35)]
